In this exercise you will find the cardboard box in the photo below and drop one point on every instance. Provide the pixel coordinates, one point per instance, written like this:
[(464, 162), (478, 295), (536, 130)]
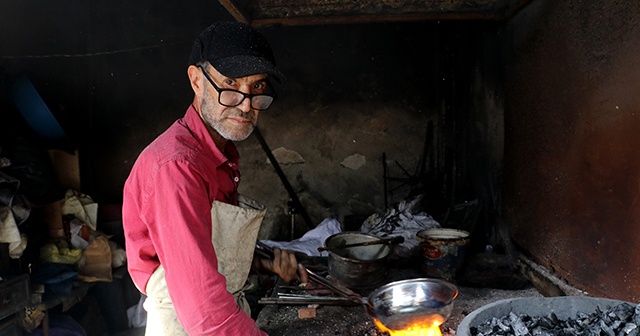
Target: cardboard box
[(66, 166)]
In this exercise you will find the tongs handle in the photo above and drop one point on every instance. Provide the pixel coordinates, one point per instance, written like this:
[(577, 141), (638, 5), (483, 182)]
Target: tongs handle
[(337, 288), (266, 251)]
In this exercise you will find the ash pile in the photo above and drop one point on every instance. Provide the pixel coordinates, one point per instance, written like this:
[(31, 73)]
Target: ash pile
[(618, 320)]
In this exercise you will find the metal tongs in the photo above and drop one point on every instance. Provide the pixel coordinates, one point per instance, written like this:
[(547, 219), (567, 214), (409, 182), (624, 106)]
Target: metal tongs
[(390, 241), (266, 251)]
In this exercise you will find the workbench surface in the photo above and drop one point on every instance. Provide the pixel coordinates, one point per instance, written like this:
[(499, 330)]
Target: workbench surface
[(284, 320)]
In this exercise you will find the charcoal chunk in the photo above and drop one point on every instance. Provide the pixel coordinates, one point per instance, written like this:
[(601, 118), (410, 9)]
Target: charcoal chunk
[(518, 326), (629, 329)]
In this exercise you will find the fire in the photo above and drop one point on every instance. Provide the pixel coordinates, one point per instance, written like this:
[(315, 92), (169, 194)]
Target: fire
[(426, 327)]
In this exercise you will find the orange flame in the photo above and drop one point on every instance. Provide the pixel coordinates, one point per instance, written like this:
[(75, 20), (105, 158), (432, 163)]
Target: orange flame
[(426, 327)]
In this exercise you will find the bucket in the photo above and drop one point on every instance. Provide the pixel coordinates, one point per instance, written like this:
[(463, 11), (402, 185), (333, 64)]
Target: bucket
[(562, 307), (443, 251), (361, 267)]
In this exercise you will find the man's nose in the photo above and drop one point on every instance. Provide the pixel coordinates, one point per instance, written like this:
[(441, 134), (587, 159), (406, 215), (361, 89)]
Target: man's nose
[(245, 105)]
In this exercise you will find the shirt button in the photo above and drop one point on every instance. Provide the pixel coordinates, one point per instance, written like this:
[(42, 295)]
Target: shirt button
[(236, 179)]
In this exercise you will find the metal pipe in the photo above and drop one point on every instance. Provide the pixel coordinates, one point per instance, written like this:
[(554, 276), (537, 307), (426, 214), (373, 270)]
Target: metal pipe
[(283, 178)]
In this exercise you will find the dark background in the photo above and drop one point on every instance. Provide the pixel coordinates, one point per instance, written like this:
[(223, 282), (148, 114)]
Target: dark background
[(536, 117)]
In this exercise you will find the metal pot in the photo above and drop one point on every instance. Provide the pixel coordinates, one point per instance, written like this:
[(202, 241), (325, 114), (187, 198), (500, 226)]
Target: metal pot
[(357, 267)]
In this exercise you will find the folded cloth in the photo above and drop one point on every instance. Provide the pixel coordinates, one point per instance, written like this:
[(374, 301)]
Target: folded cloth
[(310, 241), (57, 278), (9, 232), (16, 249), (59, 252), (9, 196), (14, 210), (82, 207)]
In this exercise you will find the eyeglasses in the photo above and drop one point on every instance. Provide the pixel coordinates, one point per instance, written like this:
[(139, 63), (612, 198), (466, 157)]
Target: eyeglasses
[(232, 98)]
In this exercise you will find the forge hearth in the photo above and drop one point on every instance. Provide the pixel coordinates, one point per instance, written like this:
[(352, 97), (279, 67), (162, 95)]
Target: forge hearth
[(283, 320)]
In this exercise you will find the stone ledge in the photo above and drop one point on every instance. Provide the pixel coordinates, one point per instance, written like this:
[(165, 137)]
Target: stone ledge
[(545, 281)]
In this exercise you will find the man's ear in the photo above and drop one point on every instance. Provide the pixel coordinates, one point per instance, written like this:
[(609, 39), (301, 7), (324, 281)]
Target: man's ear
[(195, 79)]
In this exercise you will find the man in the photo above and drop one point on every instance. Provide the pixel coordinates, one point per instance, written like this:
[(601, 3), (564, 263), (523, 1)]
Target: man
[(190, 237)]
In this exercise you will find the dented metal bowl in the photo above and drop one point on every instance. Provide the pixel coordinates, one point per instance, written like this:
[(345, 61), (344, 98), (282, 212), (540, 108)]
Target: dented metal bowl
[(399, 305)]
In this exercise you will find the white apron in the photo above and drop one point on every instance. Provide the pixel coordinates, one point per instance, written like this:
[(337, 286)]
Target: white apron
[(234, 235)]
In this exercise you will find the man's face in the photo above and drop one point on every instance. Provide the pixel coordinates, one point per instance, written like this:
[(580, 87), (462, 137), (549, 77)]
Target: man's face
[(232, 123)]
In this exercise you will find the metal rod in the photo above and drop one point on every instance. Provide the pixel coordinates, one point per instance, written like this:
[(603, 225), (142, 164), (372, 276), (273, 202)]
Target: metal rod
[(337, 288), (307, 296), (326, 302), (283, 178), (384, 176), (394, 240)]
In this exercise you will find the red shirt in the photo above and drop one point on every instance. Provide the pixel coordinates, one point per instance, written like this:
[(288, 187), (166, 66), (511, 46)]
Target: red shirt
[(166, 216)]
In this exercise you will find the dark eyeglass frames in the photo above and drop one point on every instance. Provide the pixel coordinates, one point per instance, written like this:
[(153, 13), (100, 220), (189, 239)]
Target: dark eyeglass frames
[(232, 98)]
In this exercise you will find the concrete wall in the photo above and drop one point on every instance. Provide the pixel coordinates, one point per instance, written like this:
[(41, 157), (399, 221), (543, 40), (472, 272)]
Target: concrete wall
[(572, 169), (373, 89)]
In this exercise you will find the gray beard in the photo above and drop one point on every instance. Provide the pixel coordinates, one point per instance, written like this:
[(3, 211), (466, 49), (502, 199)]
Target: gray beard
[(218, 124)]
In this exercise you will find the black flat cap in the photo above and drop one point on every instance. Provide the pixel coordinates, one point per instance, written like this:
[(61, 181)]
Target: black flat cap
[(236, 50)]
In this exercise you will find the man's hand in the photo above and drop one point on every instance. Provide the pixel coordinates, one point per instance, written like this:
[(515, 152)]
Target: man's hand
[(285, 265)]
